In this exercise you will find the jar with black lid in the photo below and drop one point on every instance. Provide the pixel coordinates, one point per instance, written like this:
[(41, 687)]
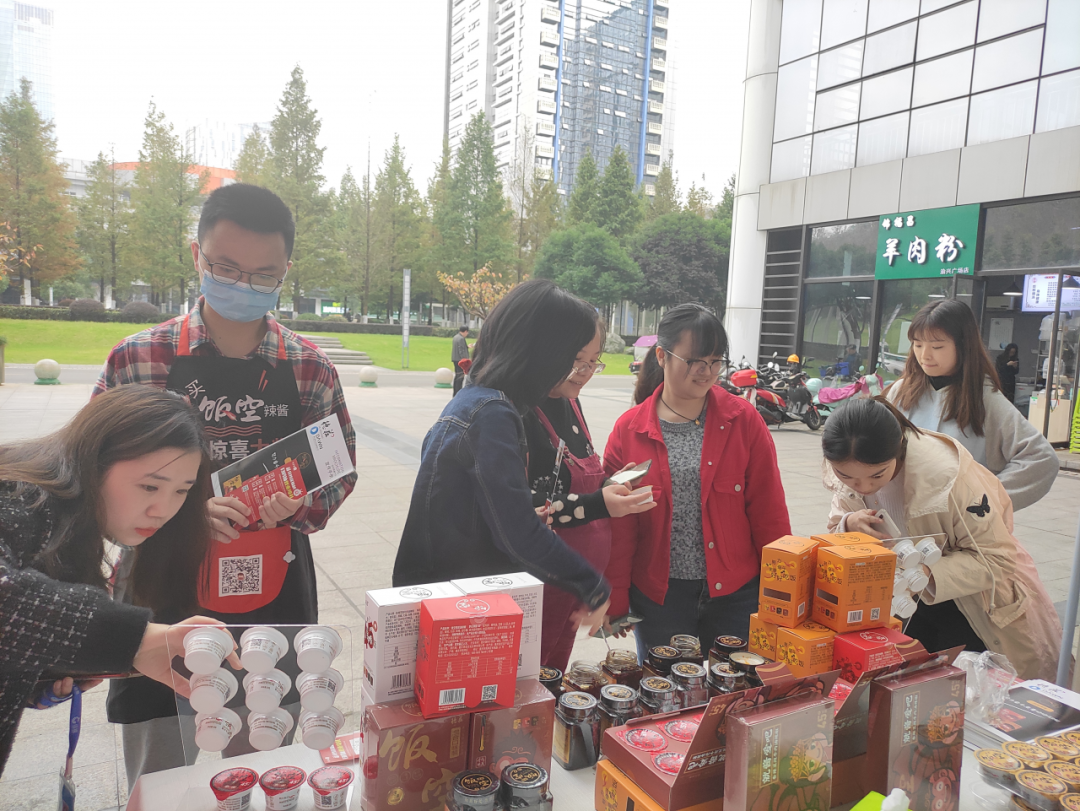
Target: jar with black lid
[(725, 645), (661, 658), (618, 704), (576, 743), (582, 677), (690, 679), (722, 679), (551, 678), (658, 695), (525, 786), (621, 667), (688, 646), (746, 664), (475, 791)]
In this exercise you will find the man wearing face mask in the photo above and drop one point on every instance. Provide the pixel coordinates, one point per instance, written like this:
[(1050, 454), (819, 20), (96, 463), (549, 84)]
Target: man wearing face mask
[(254, 382)]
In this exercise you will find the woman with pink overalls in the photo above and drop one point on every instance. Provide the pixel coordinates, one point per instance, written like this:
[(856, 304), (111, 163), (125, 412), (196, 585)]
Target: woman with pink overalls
[(581, 505)]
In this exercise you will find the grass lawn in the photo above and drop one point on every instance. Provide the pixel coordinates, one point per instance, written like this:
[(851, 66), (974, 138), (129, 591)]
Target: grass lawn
[(86, 342)]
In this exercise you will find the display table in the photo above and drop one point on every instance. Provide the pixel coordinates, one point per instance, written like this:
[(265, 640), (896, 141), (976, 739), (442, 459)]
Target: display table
[(1060, 417), (188, 788)]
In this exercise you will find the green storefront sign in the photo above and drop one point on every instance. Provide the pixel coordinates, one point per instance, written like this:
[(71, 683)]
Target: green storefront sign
[(927, 244)]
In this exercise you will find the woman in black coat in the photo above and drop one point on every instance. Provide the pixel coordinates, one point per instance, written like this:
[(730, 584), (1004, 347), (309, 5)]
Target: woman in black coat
[(1008, 365)]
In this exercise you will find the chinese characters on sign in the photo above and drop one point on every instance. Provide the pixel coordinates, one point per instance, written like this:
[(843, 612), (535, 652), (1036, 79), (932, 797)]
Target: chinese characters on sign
[(908, 243)]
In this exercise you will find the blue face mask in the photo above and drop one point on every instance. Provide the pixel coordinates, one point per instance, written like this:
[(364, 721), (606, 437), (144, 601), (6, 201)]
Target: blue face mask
[(238, 302)]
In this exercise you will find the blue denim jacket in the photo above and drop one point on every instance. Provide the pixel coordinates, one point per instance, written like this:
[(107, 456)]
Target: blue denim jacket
[(471, 513)]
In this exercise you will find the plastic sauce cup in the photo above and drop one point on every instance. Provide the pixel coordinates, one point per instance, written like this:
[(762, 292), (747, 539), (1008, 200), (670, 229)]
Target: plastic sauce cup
[(330, 785), (214, 730), (232, 788), (318, 690), (205, 648), (930, 551), (265, 690), (267, 730), (261, 648), (282, 785), (320, 728), (316, 648), (209, 693), (907, 557), (903, 607)]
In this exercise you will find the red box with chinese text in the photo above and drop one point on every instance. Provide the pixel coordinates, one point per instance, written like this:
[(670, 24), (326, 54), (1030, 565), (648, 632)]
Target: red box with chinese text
[(467, 653), (861, 651)]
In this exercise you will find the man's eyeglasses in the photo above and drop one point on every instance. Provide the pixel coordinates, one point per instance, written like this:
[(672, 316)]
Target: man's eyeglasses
[(701, 367), (227, 274), (587, 370)]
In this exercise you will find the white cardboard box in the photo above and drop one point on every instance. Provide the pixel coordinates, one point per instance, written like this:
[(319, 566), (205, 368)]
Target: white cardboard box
[(391, 628), (528, 593)]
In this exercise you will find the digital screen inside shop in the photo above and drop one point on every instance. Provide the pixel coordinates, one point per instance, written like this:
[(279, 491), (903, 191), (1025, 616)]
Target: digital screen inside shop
[(1040, 293)]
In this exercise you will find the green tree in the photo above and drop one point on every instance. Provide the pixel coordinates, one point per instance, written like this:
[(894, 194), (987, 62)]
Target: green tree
[(164, 200), (683, 258), (543, 209), (476, 220), (32, 199), (519, 175), (699, 200), (666, 199), (586, 192), (439, 222), (253, 163), (103, 215), (618, 206), (397, 219), (350, 206), (726, 209), (590, 263)]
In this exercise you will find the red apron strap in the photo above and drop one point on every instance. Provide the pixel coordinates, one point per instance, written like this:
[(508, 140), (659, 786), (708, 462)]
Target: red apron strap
[(581, 420), (280, 341)]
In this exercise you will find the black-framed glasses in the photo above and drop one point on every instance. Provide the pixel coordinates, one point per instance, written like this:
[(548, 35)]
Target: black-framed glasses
[(227, 274), (700, 367), (587, 369)]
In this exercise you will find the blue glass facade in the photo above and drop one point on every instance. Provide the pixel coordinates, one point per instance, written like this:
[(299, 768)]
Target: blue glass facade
[(26, 51)]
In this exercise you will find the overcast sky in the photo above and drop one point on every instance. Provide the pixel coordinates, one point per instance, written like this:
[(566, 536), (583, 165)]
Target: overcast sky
[(373, 69)]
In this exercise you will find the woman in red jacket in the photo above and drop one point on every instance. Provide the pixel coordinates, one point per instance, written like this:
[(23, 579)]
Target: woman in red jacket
[(691, 565)]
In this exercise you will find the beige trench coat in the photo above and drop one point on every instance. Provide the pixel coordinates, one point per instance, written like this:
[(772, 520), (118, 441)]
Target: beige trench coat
[(983, 567)]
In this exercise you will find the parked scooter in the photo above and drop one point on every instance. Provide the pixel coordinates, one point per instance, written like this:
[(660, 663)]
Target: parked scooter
[(779, 398), (828, 400)]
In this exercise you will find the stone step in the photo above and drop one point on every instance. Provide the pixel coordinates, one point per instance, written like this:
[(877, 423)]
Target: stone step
[(347, 357), (322, 341)]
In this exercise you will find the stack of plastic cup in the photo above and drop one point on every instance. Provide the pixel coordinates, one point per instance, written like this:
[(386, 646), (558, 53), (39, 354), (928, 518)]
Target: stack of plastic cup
[(265, 690), (267, 731), (211, 692), (318, 685), (214, 730)]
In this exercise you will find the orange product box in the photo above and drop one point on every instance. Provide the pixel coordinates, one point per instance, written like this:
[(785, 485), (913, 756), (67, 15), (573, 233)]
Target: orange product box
[(617, 792), (894, 624), (844, 539), (787, 580), (853, 588), (806, 650), (762, 637)]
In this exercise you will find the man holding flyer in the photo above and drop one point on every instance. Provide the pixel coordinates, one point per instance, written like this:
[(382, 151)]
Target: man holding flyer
[(254, 383)]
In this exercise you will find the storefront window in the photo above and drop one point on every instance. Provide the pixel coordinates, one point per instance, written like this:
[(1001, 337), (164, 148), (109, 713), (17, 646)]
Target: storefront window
[(836, 316), (1032, 235), (901, 299), (843, 250)]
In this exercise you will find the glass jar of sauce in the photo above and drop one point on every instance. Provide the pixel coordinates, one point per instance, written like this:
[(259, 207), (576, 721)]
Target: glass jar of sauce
[(551, 678), (525, 786), (476, 791), (621, 667), (690, 679), (661, 658), (725, 645), (722, 679), (688, 646), (582, 677), (576, 743), (618, 704), (746, 664), (658, 695)]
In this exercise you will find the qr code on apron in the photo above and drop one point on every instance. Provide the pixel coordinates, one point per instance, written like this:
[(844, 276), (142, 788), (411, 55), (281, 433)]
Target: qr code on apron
[(240, 575)]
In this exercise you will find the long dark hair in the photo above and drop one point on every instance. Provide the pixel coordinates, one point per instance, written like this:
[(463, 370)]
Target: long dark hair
[(963, 402), (69, 466), (705, 329), (529, 342), (871, 431)]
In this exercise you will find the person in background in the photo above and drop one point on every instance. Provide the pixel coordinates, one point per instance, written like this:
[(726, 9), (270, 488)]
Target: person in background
[(581, 506), (131, 469), (853, 360), (930, 485), (1008, 366), (472, 508), (459, 351), (691, 566)]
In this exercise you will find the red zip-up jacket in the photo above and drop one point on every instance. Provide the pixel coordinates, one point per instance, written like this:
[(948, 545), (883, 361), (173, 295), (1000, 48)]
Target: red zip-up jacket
[(743, 506)]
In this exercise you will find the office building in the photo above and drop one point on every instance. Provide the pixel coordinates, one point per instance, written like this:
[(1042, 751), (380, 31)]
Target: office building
[(557, 79), (897, 152), (26, 33)]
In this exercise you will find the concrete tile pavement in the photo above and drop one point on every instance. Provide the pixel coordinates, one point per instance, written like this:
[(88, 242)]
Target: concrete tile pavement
[(357, 549)]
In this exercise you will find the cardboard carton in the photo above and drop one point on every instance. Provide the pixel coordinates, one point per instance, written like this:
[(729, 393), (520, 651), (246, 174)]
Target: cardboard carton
[(787, 581), (762, 637), (467, 653), (853, 587), (894, 623), (617, 792), (410, 761), (780, 755), (844, 539), (862, 651), (806, 650), (391, 626), (528, 593), (518, 734)]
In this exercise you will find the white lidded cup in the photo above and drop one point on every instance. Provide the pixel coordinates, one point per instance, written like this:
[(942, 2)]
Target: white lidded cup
[(316, 648), (266, 730), (903, 607), (930, 551), (330, 786), (210, 692), (261, 648), (205, 648), (320, 728), (265, 690), (318, 690), (916, 580), (907, 557), (214, 730)]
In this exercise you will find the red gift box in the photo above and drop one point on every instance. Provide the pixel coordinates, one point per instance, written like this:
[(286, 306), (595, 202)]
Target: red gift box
[(862, 651), (467, 653), (519, 734)]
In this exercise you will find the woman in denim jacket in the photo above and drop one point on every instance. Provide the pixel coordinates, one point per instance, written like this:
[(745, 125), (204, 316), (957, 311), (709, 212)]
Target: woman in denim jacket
[(472, 513)]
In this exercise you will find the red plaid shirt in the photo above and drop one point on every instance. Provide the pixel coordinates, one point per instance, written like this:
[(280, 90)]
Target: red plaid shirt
[(147, 357)]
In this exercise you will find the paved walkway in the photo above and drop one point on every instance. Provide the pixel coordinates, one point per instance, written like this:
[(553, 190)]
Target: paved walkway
[(356, 551)]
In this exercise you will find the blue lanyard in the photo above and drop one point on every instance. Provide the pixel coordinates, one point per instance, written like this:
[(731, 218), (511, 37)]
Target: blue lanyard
[(67, 785)]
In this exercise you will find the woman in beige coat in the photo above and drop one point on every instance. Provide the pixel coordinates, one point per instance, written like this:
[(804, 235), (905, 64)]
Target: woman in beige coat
[(930, 485)]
